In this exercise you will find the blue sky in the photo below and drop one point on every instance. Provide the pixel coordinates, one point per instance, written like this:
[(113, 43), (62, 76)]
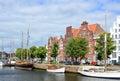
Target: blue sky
[(45, 18)]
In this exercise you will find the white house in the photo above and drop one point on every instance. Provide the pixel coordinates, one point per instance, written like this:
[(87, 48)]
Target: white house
[(115, 34)]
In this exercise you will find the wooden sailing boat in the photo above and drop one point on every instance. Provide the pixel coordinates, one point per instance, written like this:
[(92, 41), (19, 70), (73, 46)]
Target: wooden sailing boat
[(24, 64), (93, 72)]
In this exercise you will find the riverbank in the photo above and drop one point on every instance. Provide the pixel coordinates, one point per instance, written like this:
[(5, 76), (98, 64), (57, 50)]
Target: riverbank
[(69, 68)]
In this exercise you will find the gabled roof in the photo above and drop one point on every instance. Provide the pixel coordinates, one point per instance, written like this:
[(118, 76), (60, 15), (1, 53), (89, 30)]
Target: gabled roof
[(96, 29), (74, 31)]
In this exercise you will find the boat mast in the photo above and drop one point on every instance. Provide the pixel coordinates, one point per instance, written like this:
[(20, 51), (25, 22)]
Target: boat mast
[(12, 49), (22, 48), (105, 44), (27, 44), (2, 49)]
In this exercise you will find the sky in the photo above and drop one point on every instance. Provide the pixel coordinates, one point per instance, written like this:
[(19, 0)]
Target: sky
[(45, 18)]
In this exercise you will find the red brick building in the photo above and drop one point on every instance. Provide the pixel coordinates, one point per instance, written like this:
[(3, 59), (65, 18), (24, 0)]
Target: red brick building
[(90, 32)]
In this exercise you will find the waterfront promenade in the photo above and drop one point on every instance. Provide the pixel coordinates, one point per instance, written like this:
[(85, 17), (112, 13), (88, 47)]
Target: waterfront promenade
[(70, 68)]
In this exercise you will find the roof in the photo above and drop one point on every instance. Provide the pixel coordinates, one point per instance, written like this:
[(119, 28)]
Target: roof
[(74, 31)]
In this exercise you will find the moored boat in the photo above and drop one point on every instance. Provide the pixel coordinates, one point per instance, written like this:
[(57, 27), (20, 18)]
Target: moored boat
[(109, 74), (55, 69), (24, 66), (98, 72)]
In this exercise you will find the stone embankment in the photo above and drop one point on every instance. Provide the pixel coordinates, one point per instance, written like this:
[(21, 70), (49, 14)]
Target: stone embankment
[(69, 68)]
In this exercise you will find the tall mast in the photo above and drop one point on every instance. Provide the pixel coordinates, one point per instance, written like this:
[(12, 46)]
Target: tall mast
[(105, 44), (12, 49), (22, 48), (27, 44), (2, 48)]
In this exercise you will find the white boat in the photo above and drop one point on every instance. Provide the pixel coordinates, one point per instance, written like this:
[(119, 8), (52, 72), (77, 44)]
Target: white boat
[(98, 71), (59, 70), (109, 74)]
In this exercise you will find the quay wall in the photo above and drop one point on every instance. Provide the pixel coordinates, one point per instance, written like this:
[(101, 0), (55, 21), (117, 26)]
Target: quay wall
[(68, 68), (71, 68)]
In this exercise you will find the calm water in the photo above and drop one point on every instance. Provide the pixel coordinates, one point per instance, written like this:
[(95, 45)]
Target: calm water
[(11, 74)]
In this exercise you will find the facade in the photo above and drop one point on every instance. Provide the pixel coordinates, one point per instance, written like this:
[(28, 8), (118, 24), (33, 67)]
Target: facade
[(90, 32), (115, 34)]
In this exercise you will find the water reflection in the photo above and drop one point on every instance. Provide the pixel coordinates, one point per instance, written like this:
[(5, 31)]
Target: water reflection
[(11, 74), (85, 78)]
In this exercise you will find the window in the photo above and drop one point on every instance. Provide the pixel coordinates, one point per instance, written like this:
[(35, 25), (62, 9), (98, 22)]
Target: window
[(84, 28), (119, 25), (84, 33), (119, 30), (114, 55), (119, 41), (115, 36), (119, 48), (119, 35)]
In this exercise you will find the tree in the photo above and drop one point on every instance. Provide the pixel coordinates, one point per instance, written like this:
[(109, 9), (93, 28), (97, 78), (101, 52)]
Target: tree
[(54, 50), (32, 51), (19, 53), (100, 46), (77, 47), (41, 52)]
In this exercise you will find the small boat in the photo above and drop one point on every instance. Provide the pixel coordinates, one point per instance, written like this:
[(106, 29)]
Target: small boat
[(99, 72), (56, 70)]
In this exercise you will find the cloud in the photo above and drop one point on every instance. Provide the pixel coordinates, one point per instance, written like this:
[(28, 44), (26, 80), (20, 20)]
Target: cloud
[(45, 18)]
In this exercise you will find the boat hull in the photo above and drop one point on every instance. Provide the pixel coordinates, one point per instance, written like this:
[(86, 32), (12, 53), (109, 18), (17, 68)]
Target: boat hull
[(60, 70), (114, 75), (24, 66)]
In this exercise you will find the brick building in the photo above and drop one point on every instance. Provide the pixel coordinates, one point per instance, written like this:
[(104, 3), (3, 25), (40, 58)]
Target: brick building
[(90, 32)]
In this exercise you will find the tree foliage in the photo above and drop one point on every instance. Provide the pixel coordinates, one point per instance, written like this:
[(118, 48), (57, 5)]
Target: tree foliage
[(41, 52), (32, 51), (55, 50), (19, 53), (100, 46), (77, 47)]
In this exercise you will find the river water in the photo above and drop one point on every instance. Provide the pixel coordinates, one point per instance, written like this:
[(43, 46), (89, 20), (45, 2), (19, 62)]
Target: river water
[(11, 74)]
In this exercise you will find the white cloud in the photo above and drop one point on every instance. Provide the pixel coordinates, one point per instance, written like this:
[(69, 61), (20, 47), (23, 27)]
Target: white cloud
[(47, 18)]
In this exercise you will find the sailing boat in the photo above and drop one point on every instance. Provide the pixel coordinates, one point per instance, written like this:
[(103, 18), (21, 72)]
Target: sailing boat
[(101, 72), (24, 64)]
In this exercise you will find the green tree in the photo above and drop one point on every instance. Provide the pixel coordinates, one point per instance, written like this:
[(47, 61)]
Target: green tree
[(19, 53), (77, 47), (32, 51), (54, 50), (100, 46), (41, 52)]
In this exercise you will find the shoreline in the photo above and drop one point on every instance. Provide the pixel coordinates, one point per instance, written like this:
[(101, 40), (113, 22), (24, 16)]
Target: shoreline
[(70, 68)]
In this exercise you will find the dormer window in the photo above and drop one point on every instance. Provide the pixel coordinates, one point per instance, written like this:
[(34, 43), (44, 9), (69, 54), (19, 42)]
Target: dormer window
[(84, 28)]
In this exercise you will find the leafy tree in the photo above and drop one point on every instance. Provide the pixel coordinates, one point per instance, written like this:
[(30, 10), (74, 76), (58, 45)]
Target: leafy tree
[(41, 52), (100, 46), (19, 53), (77, 47), (55, 50), (32, 51)]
